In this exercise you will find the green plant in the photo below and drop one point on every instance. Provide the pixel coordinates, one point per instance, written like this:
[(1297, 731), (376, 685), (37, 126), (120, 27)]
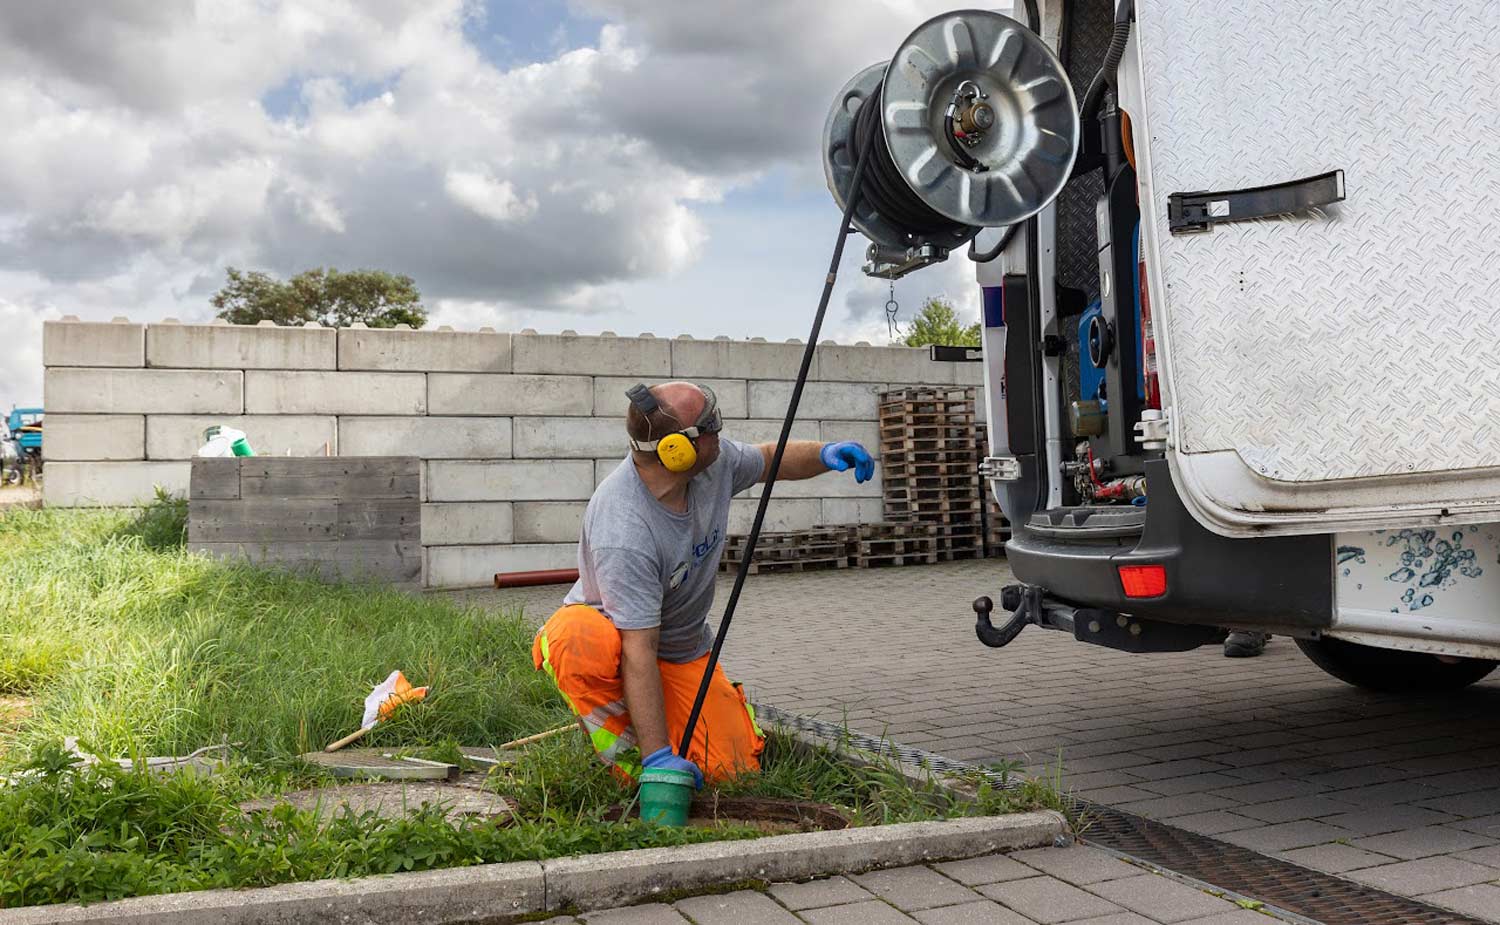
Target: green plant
[(937, 323), (329, 297)]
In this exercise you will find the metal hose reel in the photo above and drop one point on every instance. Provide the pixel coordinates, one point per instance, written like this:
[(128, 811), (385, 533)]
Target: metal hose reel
[(977, 127)]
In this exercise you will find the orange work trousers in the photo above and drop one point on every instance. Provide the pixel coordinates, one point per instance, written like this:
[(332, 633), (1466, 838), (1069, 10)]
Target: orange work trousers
[(580, 650)]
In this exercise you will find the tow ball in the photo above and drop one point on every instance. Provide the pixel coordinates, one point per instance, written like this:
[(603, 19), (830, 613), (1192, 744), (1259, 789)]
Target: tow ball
[(1020, 601)]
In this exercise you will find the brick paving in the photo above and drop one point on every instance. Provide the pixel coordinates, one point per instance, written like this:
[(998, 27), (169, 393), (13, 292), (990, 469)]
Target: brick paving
[(1024, 888), (1269, 753)]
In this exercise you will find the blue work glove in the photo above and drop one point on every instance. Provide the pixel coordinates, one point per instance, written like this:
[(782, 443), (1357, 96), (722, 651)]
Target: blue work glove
[(840, 456), (665, 759)]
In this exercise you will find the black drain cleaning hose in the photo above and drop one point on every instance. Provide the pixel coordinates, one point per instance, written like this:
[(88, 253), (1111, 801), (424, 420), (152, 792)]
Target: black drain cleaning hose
[(856, 188)]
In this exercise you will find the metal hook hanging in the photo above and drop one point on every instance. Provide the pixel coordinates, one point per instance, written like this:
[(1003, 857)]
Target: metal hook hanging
[(893, 329)]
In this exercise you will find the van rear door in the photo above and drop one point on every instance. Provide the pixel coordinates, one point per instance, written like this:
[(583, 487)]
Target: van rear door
[(1337, 368)]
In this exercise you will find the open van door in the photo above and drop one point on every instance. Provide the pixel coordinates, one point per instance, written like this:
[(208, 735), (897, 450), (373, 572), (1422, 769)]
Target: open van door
[(1336, 368)]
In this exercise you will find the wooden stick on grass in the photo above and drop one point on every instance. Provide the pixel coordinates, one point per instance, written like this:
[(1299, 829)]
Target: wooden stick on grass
[(540, 736), (354, 736)]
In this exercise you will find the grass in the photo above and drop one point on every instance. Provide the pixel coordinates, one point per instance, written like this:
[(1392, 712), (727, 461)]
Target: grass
[(114, 634)]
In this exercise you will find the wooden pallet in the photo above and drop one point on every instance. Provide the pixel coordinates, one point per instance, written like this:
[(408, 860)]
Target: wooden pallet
[(793, 551), (788, 565), (894, 543)]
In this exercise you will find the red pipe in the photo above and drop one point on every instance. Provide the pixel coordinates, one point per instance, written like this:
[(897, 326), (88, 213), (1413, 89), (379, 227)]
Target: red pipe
[(551, 576)]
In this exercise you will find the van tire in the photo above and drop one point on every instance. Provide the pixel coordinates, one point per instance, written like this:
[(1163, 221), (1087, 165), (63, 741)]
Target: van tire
[(1392, 670)]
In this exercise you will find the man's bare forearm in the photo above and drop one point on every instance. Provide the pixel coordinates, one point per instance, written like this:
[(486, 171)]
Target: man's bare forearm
[(642, 681), (801, 460)]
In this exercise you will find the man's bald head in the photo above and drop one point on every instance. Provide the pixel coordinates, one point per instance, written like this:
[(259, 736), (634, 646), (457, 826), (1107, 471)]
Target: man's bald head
[(680, 404)]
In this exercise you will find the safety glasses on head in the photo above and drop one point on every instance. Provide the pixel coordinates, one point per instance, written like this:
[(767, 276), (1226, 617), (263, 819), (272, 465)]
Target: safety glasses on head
[(677, 451)]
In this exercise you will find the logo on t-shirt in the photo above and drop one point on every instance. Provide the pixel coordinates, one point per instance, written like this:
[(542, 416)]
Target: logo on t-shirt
[(709, 544), (678, 574)]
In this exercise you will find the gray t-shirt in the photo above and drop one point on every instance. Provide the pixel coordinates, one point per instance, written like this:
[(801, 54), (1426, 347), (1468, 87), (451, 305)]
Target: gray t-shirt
[(642, 565)]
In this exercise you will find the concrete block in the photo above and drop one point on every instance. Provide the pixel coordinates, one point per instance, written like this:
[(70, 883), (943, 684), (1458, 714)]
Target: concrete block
[(178, 436), (95, 436), (729, 359), (423, 351), (609, 395), (335, 393), (549, 521), (783, 514), (968, 374), (838, 363), (478, 393), (764, 431), (510, 480), (89, 343), (570, 438), (828, 401), (866, 433), (143, 391), (428, 437), (643, 357), (853, 510), (238, 346), (476, 523), (475, 566), (111, 484), (603, 467)]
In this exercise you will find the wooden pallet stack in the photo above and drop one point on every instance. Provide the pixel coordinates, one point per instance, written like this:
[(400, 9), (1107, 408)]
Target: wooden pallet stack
[(861, 546), (796, 551), (930, 465)]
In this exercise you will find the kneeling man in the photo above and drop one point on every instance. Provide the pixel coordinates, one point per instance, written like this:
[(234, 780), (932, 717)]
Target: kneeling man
[(629, 645)]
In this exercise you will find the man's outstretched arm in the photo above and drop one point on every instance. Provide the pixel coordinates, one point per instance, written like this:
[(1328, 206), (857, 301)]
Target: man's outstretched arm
[(807, 458)]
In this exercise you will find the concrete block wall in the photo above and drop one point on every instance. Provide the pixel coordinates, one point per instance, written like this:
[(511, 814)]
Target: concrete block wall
[(514, 430)]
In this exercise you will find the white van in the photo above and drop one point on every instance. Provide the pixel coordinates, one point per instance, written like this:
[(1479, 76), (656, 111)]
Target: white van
[(1245, 371)]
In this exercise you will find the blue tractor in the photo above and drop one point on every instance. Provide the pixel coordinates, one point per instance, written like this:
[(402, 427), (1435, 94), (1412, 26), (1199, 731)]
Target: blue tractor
[(23, 453)]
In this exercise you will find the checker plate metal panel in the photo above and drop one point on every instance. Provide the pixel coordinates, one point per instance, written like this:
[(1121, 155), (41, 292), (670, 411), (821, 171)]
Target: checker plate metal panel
[(1356, 342)]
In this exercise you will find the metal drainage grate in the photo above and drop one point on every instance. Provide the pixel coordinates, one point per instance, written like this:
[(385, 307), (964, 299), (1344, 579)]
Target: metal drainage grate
[(1307, 893)]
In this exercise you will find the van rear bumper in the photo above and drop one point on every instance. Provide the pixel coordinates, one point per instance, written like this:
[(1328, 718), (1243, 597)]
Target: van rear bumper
[(1283, 582)]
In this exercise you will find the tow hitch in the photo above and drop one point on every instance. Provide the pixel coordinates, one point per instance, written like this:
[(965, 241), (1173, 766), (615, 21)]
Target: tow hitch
[(1108, 628)]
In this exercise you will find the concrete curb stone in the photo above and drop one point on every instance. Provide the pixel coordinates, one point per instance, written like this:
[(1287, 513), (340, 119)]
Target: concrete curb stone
[(507, 892)]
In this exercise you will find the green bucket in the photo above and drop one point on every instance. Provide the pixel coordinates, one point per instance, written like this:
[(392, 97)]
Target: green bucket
[(666, 796)]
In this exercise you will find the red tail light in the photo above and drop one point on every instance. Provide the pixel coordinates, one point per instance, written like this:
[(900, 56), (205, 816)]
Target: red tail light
[(1143, 580)]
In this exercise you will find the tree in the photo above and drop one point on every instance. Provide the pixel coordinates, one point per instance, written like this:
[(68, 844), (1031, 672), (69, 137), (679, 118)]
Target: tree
[(332, 299), (937, 323)]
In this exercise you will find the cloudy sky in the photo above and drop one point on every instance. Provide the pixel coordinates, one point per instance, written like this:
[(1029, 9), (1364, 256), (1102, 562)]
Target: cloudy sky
[(625, 165)]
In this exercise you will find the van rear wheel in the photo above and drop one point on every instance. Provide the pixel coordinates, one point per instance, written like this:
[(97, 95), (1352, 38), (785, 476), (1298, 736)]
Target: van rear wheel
[(1392, 670)]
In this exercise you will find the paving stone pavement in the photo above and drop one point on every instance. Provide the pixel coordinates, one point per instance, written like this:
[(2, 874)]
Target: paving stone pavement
[(1076, 885), (1269, 753)]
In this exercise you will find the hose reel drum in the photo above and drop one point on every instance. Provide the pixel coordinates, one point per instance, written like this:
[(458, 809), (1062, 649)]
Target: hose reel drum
[(975, 125)]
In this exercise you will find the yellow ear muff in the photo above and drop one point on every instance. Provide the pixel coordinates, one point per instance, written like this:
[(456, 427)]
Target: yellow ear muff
[(676, 452)]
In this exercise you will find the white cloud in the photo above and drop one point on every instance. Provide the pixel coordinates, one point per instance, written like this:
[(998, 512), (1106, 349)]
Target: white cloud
[(21, 353), (494, 199), (151, 143)]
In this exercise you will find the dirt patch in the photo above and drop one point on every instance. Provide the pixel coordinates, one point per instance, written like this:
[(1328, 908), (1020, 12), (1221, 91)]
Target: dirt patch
[(20, 496), (13, 712)]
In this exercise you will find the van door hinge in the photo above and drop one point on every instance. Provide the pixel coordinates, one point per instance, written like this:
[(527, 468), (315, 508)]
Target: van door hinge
[(1194, 212), (1000, 469), (1153, 430)]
